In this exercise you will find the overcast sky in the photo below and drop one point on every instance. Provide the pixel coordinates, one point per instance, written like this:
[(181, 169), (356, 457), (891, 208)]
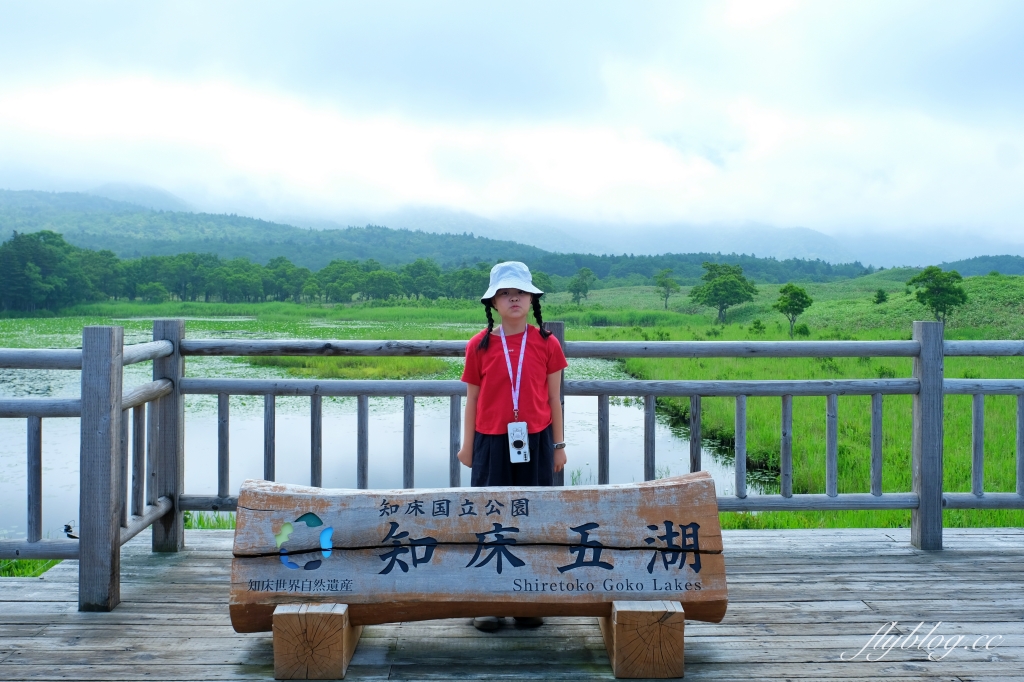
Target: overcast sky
[(843, 117)]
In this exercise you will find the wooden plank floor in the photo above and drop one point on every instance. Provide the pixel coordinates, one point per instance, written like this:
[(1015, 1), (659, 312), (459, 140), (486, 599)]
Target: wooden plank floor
[(798, 601)]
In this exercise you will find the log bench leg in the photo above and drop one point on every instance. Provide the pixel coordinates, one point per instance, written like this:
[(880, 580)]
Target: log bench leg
[(313, 641), (645, 638)]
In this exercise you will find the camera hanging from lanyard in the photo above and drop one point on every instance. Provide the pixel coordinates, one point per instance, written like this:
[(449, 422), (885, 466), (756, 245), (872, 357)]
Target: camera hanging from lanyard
[(518, 436)]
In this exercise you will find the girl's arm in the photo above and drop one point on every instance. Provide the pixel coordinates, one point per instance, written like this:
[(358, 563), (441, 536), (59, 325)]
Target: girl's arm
[(469, 425), (555, 401)]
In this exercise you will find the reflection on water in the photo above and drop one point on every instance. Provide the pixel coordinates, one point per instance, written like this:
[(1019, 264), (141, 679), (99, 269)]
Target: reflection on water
[(61, 438)]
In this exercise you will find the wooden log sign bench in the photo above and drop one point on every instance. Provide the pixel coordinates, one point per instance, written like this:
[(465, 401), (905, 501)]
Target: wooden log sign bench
[(314, 565)]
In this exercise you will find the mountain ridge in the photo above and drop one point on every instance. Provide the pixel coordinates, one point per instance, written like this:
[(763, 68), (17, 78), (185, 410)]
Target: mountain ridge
[(131, 230)]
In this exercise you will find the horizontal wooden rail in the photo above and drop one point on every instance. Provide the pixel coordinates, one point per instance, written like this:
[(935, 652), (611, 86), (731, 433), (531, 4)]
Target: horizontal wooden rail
[(741, 349), (141, 352), (145, 393), (152, 512), (33, 358), (847, 501), (982, 348), (311, 347), (40, 407), (43, 549), (747, 388), (983, 386), (326, 387), (726, 503), (40, 358), (984, 501), (573, 349), (819, 502), (208, 503), (426, 388)]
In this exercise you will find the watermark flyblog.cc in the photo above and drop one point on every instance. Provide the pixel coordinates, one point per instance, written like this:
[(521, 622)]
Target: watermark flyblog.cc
[(935, 644)]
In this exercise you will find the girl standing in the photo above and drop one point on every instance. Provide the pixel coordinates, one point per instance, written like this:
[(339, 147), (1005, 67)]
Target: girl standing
[(513, 377)]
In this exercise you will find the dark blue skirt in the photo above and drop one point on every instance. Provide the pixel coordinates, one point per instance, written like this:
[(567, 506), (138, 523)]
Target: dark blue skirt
[(492, 466)]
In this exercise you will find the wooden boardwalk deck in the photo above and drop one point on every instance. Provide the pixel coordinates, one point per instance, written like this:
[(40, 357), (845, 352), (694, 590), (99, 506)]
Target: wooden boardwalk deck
[(798, 600)]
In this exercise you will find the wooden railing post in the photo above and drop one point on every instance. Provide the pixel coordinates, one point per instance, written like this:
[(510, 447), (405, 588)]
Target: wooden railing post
[(1020, 444), (362, 442), (316, 440), (786, 448), (558, 330), (224, 447), (99, 512), (454, 442), (876, 444), (169, 531), (409, 442), (34, 527), (926, 520), (740, 472), (138, 459), (696, 437), (650, 424), (270, 437), (603, 463)]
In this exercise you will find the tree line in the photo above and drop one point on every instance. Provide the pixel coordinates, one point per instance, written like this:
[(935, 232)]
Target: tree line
[(42, 271)]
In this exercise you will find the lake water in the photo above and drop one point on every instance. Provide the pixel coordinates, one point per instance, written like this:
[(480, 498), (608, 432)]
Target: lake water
[(61, 438)]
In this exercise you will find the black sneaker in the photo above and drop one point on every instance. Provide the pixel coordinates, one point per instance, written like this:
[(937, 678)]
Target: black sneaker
[(529, 622)]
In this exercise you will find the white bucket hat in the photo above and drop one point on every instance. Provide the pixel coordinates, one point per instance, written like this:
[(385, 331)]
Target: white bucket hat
[(510, 275)]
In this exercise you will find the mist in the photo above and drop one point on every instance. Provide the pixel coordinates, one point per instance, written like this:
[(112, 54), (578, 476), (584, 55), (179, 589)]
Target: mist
[(890, 133)]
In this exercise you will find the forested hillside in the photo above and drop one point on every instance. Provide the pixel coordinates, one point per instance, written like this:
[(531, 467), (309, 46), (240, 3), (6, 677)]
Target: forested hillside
[(983, 265), (50, 269), (130, 231)]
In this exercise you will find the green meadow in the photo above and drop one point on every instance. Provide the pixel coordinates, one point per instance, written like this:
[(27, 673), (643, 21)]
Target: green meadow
[(841, 310), (25, 568), (360, 368)]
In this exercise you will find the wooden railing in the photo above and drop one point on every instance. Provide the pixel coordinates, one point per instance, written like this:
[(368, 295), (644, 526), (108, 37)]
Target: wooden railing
[(110, 516)]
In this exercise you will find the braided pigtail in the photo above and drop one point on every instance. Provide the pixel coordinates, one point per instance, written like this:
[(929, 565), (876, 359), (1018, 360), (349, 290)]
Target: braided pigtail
[(544, 333), (486, 341)]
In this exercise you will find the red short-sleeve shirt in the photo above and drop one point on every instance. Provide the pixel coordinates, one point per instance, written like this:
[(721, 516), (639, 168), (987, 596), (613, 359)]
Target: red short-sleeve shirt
[(487, 369)]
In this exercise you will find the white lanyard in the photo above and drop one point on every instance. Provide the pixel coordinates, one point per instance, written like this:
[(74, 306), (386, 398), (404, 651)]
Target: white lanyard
[(514, 380)]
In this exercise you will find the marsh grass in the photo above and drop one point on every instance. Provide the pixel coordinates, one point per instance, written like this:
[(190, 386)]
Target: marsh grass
[(356, 367), (576, 477), (209, 520), (26, 568), (764, 418)]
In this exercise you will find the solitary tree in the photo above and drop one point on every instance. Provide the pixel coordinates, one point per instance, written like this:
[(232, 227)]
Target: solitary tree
[(666, 285), (881, 297), (793, 301), (579, 285), (724, 286), (939, 291)]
